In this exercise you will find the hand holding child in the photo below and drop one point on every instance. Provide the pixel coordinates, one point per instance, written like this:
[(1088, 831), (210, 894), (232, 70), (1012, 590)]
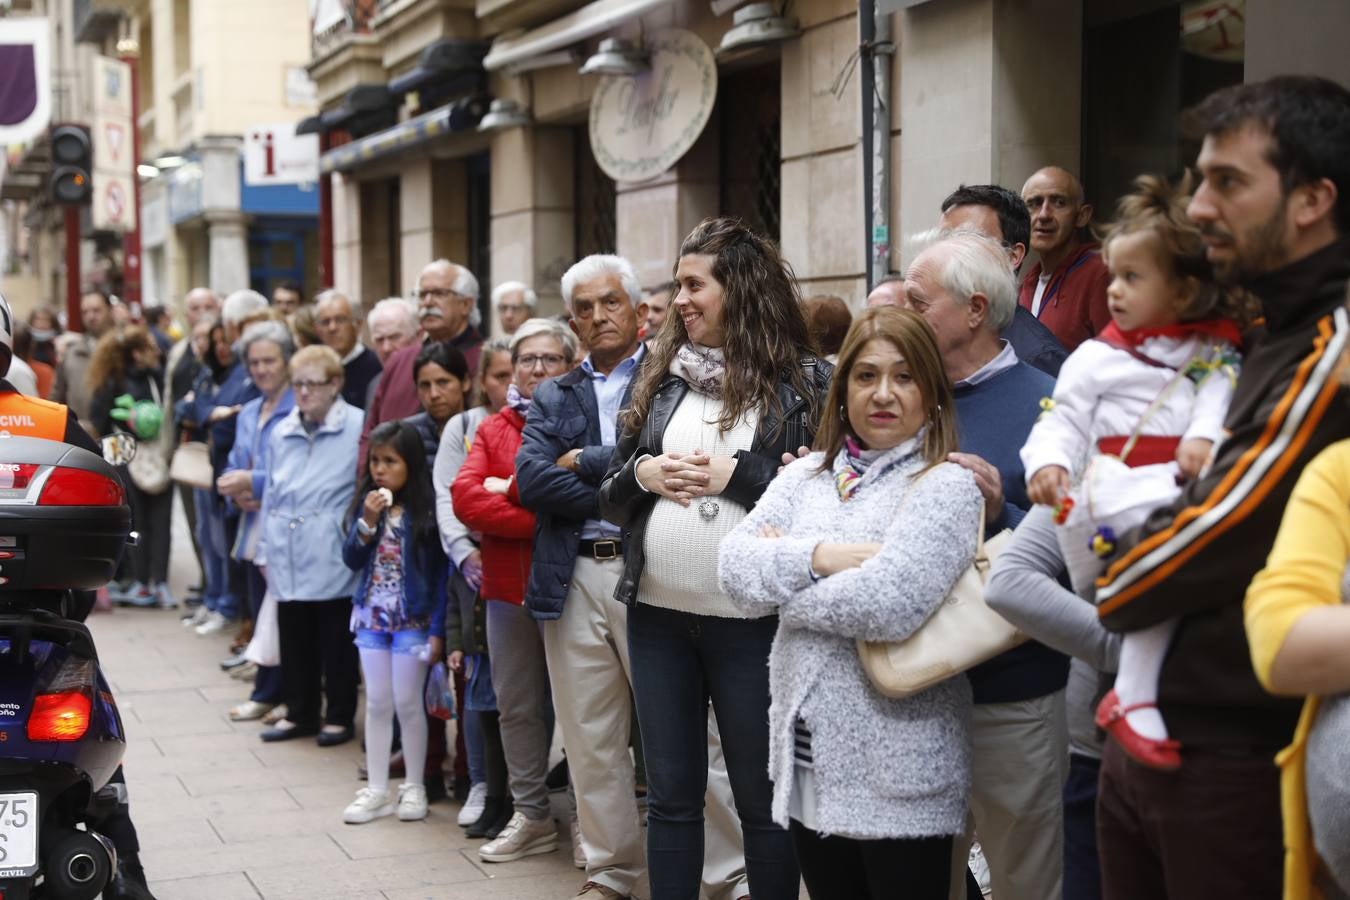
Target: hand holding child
[(1048, 485), (1193, 456)]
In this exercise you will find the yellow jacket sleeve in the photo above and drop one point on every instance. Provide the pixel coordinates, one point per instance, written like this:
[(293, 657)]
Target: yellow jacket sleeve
[(1303, 572)]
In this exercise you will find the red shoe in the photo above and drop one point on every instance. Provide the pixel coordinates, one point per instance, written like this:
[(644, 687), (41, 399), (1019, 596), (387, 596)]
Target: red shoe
[(1165, 755)]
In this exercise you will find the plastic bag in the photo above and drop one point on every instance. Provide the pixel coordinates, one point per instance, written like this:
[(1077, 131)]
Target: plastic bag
[(265, 647), (440, 696)]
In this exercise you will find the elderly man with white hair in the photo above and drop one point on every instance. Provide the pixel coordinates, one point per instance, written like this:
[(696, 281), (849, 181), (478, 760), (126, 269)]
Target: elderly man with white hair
[(514, 303), (392, 324), (962, 285)]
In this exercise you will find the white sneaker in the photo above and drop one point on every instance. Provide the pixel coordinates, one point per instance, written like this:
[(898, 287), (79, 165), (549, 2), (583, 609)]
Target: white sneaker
[(412, 801), (198, 617), (369, 804), (578, 851), (473, 805), (214, 624), (520, 838)]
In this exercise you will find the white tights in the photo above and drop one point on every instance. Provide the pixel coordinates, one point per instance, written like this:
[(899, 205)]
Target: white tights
[(394, 681), (1141, 659)]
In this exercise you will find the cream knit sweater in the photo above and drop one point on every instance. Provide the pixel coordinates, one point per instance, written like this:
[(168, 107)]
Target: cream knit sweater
[(681, 546)]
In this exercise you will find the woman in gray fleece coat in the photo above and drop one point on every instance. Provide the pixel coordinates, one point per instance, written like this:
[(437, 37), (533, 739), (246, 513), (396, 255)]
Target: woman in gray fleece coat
[(864, 539)]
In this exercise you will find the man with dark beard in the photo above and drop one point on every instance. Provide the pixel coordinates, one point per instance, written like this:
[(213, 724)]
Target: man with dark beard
[(1274, 206)]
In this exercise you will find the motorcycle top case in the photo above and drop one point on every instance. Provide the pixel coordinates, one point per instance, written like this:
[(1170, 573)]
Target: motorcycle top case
[(64, 517)]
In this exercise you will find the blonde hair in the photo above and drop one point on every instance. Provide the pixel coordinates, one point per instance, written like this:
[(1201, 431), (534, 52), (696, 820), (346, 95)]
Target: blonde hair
[(320, 355)]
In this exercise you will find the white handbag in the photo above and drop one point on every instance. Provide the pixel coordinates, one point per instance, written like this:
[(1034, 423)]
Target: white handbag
[(963, 632)]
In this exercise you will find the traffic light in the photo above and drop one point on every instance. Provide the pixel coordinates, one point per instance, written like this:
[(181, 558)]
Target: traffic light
[(72, 165)]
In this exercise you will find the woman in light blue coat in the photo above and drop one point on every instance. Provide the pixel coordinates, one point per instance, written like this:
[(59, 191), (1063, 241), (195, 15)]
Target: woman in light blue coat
[(266, 348), (309, 486)]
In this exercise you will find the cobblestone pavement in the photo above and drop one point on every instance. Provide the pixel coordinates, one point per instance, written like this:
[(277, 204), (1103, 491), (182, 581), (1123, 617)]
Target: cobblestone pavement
[(223, 815)]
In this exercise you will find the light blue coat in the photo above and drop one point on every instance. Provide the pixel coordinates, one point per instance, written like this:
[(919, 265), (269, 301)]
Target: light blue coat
[(309, 487), (251, 453)]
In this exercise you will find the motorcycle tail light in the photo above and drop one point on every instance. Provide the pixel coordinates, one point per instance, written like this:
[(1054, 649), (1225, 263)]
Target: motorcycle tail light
[(76, 487), (17, 476), (59, 717)]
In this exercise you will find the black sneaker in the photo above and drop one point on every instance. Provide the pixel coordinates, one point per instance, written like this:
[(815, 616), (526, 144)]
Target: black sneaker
[(557, 777), (492, 809), (508, 809), (128, 881)]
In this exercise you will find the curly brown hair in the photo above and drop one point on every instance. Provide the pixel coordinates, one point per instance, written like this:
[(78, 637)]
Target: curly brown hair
[(1156, 207), (111, 359), (766, 337)]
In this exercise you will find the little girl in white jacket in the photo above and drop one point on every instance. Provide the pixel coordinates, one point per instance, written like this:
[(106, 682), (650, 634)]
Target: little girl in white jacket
[(1135, 413)]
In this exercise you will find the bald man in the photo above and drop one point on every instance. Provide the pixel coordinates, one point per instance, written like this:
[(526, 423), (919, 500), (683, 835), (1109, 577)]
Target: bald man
[(1066, 288)]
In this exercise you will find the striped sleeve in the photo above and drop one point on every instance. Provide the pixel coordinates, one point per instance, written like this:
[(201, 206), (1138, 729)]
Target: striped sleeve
[(1177, 568)]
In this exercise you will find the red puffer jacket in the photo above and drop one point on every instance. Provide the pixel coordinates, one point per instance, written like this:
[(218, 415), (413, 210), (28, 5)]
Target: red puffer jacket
[(506, 526)]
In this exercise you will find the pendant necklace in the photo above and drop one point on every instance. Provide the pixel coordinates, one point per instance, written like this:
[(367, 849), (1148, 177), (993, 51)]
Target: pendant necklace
[(708, 508)]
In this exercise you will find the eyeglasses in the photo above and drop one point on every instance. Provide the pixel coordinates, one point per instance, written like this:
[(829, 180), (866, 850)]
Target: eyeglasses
[(548, 359), (437, 293), (333, 321), (310, 385)]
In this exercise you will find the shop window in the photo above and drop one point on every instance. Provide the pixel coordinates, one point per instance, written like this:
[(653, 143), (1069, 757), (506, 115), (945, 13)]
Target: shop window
[(750, 121), (595, 201), (1175, 57)]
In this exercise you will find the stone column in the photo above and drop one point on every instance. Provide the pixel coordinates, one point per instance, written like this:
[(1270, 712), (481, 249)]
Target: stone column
[(533, 217), (433, 214), (652, 217), (227, 228), (989, 92), (227, 239), (347, 234)]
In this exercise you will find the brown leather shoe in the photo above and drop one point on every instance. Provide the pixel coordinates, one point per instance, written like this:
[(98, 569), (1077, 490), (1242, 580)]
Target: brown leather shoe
[(593, 890)]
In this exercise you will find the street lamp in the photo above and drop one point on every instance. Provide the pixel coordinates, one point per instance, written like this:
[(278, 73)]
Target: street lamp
[(504, 114), (755, 25), (617, 56)]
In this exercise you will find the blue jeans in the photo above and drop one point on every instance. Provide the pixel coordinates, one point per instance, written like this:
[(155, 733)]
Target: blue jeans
[(680, 661), (216, 593)]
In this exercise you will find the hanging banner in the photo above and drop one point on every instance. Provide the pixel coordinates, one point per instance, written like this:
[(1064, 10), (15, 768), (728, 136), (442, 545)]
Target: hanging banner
[(275, 154), (114, 165), (25, 79), (641, 125)]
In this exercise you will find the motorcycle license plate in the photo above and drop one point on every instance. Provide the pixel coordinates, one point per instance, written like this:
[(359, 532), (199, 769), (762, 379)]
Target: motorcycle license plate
[(18, 834)]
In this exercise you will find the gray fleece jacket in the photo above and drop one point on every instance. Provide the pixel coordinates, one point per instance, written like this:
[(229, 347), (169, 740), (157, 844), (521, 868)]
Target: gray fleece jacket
[(883, 768)]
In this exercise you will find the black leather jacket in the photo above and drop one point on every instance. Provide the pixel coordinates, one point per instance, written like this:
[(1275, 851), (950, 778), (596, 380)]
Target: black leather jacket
[(624, 502)]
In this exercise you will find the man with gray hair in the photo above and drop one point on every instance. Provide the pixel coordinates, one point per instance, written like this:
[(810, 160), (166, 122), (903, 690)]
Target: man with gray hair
[(961, 283), (337, 318), (392, 324), (514, 303)]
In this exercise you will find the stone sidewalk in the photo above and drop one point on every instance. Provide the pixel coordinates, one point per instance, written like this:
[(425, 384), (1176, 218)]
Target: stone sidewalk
[(223, 815)]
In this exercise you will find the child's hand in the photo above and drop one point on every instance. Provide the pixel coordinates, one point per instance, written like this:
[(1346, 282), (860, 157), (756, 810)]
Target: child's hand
[(375, 505), (456, 660), (500, 486), (1048, 485), (1193, 456)]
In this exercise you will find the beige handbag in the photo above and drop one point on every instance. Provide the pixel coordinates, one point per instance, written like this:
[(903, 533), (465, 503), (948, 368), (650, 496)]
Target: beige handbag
[(963, 632), (191, 465)]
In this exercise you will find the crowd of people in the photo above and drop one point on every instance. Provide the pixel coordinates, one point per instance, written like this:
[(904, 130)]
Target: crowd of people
[(660, 525)]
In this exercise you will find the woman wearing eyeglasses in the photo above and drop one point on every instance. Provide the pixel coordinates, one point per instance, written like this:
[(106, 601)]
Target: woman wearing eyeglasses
[(309, 484), (486, 500)]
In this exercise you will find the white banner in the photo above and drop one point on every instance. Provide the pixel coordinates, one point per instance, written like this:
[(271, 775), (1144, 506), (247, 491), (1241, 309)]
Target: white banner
[(275, 154), (25, 79)]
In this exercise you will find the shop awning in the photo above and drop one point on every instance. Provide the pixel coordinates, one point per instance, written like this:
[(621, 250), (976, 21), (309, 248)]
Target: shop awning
[(441, 60), (309, 125), (462, 115), (592, 19)]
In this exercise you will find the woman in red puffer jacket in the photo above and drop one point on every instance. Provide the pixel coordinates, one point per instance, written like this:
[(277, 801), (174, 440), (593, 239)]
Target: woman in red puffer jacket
[(486, 501)]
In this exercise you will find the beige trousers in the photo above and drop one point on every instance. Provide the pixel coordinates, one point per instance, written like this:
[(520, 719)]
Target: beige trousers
[(587, 650), (1017, 798)]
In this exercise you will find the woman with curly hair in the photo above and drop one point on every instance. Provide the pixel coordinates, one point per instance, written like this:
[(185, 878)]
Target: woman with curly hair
[(729, 385), (126, 361)]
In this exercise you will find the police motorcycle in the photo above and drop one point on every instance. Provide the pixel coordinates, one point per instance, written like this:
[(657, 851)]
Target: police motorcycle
[(64, 522)]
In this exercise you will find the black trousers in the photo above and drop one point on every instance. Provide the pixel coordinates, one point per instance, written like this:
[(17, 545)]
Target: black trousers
[(318, 656), (1210, 829), (839, 868), (152, 517)]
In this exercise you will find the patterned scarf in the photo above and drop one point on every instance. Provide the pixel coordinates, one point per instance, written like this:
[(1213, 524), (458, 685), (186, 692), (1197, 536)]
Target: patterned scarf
[(702, 367), (517, 402), (850, 465)]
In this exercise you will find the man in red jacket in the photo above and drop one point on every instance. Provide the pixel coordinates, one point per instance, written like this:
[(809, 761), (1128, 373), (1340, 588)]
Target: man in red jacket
[(1066, 289)]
